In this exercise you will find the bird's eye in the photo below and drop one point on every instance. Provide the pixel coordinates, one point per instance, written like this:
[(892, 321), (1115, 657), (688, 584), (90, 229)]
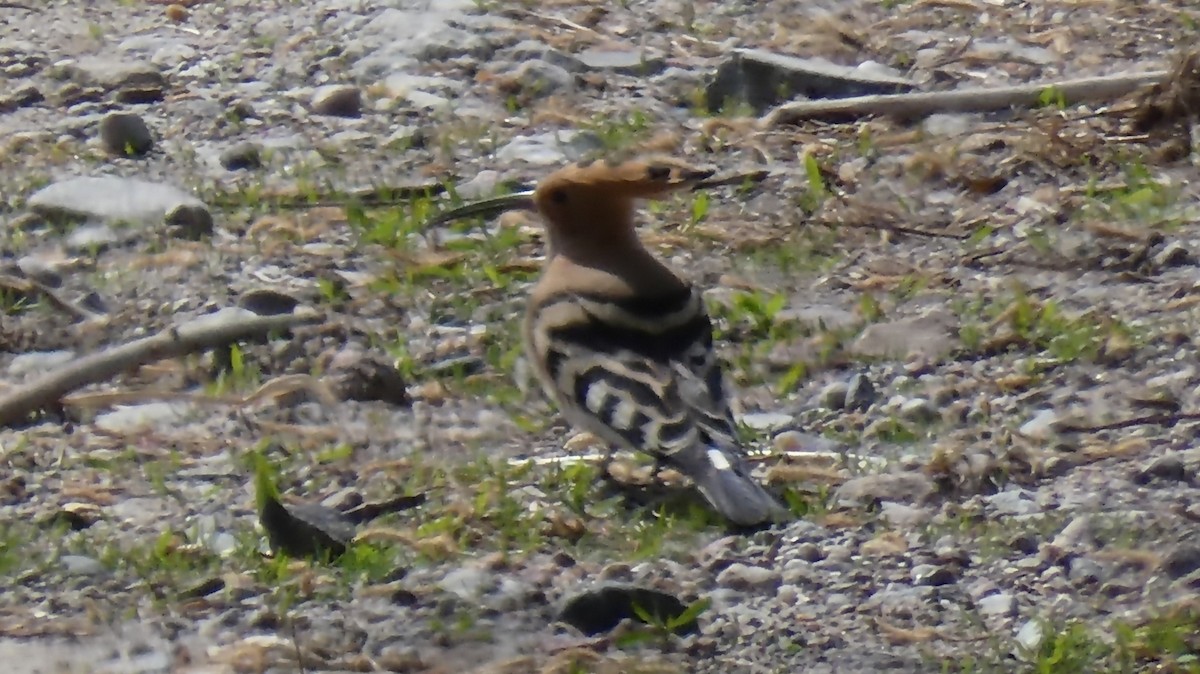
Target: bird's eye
[(558, 197)]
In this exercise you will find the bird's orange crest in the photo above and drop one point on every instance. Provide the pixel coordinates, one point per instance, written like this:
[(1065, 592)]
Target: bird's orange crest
[(636, 178)]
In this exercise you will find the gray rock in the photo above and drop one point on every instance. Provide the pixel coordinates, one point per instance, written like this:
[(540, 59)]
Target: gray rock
[(244, 155), (740, 576), (112, 74), (930, 335), (137, 417), (532, 50), (932, 576), (548, 149), (24, 364), (1041, 426), (79, 565), (467, 582), (904, 516), (1181, 561), (21, 96), (338, 100), (626, 62), (1002, 605), (539, 79), (766, 421), (860, 393), (908, 487), (763, 79), (833, 396), (91, 238), (1015, 501), (125, 134), (1086, 571), (114, 200), (1029, 639), (918, 409), (1168, 468)]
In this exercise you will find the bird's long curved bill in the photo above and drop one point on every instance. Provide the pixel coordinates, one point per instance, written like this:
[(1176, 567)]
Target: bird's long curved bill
[(486, 208), (523, 201)]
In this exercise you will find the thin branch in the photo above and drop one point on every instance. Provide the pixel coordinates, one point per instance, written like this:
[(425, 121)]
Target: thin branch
[(922, 104), (1149, 420), (27, 286), (198, 334)]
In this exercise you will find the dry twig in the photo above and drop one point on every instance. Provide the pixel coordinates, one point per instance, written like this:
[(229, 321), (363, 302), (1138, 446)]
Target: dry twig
[(922, 104), (196, 335), (26, 286), (1147, 420)]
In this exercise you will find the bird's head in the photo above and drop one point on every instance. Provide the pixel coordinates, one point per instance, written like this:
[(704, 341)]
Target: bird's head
[(591, 202)]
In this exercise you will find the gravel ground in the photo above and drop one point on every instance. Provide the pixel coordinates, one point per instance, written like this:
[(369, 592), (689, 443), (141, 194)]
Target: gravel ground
[(933, 319)]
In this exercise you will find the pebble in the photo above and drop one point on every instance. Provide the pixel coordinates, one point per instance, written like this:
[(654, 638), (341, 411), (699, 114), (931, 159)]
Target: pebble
[(834, 395), (746, 577), (860, 393), (1182, 560), (80, 565), (338, 100), (242, 156), (1000, 605), (125, 134), (112, 199)]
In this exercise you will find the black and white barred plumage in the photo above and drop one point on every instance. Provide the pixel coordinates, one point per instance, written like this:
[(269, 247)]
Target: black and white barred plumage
[(624, 346)]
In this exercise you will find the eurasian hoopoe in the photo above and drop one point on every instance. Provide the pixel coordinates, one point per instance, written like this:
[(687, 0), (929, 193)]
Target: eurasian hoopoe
[(621, 344)]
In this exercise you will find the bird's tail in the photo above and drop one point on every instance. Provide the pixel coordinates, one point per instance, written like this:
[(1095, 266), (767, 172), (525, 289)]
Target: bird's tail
[(724, 479)]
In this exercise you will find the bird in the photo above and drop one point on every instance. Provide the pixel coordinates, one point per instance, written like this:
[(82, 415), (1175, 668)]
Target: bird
[(620, 342)]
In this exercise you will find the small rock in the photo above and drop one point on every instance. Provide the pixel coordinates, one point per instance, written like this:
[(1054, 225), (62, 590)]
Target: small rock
[(79, 565), (267, 302), (125, 134), (539, 79), (1168, 467), (765, 421), (600, 610), (467, 583), (546, 149), (189, 222), (1029, 639), (918, 409), (833, 396), (1085, 571), (1172, 255), (932, 576), (746, 577), (356, 375), (1013, 502), (1181, 561), (38, 362), (91, 238), (1041, 426), (112, 199), (904, 516), (626, 62), (809, 552), (860, 393), (127, 419), (910, 487), (338, 100), (763, 79), (1002, 605), (117, 75), (245, 155), (930, 335)]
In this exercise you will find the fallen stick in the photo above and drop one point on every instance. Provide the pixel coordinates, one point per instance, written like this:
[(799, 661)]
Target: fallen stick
[(926, 103), (30, 287), (198, 334)]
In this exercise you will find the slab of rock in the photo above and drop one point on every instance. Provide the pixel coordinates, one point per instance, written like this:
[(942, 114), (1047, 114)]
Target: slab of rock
[(764, 79), (931, 335), (119, 200)]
